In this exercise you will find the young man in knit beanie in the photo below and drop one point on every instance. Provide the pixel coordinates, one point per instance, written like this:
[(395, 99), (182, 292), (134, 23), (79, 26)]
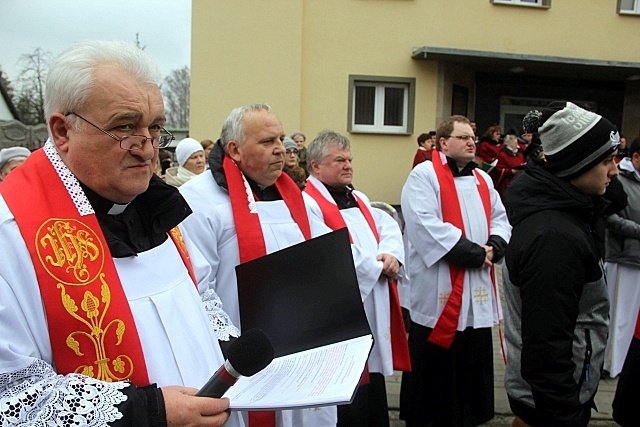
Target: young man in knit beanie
[(557, 309)]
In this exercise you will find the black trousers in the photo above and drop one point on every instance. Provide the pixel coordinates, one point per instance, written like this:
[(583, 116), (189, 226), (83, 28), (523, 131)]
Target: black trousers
[(449, 387), (626, 405), (369, 407)]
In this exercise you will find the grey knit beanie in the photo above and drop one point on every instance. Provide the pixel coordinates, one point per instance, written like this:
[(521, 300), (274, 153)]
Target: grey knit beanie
[(574, 139)]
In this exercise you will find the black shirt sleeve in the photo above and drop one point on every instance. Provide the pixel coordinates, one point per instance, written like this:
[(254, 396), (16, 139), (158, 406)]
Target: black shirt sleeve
[(144, 407), (499, 246), (466, 254)]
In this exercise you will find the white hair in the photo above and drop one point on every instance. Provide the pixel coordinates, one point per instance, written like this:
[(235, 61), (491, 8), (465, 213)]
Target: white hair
[(319, 148), (70, 81), (233, 127)]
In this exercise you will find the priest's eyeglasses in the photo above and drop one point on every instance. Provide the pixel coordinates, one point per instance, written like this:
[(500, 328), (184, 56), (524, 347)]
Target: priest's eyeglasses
[(136, 142), (463, 138)]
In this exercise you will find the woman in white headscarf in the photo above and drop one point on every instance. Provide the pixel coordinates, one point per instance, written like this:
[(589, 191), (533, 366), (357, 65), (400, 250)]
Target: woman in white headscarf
[(191, 161), (11, 158)]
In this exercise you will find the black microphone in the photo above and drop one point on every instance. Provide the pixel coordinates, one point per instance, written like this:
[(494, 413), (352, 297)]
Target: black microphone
[(247, 355)]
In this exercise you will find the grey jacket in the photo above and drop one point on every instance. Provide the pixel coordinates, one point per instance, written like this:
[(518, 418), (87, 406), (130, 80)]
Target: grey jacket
[(589, 339), (623, 228)]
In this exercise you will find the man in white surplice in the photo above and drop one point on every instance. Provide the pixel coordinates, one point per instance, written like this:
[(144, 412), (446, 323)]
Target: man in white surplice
[(106, 316), (246, 207), (455, 229), (329, 161)]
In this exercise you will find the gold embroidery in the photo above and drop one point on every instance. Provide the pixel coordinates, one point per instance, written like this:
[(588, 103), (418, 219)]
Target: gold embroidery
[(177, 236), (72, 253), (481, 295), (92, 317), (443, 297), (68, 246)]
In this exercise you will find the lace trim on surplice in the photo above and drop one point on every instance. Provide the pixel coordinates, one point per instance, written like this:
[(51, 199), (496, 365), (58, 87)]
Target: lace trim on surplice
[(37, 396)]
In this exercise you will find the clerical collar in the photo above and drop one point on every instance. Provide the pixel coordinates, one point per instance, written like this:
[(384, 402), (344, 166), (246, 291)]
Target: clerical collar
[(343, 196), (467, 170), (142, 224), (117, 209), (101, 204)]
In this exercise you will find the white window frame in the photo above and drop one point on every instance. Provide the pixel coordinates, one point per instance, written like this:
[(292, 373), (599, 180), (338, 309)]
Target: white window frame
[(527, 3), (635, 9), (380, 83)]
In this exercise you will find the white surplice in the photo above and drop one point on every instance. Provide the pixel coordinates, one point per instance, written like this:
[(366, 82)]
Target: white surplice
[(624, 298), (428, 238), (212, 228), (374, 287), (178, 339)]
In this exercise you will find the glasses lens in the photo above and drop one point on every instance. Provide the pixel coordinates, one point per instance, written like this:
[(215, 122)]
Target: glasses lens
[(292, 151), (462, 137), (163, 141), (133, 142)]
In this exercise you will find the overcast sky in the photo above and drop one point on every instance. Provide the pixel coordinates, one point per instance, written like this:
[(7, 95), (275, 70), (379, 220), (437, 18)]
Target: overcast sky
[(164, 28)]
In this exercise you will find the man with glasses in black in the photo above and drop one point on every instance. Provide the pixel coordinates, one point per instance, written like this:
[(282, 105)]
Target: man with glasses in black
[(456, 228), (105, 313)]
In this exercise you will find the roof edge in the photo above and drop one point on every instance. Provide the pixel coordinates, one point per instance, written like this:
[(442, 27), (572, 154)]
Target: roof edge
[(435, 53)]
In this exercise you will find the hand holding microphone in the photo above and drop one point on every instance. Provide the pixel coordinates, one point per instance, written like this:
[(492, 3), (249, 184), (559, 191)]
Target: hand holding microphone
[(248, 355)]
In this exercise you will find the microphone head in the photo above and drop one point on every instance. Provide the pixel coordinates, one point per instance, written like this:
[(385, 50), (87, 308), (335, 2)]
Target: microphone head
[(250, 353)]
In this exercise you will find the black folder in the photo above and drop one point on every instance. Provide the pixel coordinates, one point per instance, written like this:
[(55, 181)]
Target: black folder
[(304, 296)]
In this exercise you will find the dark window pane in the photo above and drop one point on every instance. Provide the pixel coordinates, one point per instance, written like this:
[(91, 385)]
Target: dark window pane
[(365, 105), (626, 5), (393, 106)]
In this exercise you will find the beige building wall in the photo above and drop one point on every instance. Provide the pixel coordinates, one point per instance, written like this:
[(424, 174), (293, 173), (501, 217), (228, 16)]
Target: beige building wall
[(297, 55)]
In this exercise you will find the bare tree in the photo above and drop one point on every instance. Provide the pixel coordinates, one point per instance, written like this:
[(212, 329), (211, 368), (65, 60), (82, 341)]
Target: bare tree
[(175, 89), (6, 83), (138, 44), (31, 80)]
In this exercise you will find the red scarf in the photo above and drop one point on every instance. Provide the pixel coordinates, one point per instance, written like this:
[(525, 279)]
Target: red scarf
[(334, 220), (445, 329), (91, 328), (251, 243)]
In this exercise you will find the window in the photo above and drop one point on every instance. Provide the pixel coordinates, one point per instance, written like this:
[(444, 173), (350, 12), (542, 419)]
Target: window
[(381, 104), (533, 3), (630, 7)]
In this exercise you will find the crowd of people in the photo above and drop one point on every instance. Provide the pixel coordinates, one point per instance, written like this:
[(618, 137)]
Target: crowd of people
[(118, 288), (569, 318)]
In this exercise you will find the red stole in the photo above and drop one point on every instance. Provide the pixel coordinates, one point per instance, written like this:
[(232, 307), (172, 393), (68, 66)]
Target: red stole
[(636, 333), (334, 220), (178, 240), (91, 327), (445, 328), (251, 243)]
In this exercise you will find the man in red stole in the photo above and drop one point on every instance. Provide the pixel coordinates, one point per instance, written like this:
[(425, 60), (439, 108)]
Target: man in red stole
[(377, 233), (245, 207), (455, 230), (105, 313)]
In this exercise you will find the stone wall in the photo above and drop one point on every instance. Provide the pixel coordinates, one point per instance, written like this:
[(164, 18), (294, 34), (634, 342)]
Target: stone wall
[(14, 133)]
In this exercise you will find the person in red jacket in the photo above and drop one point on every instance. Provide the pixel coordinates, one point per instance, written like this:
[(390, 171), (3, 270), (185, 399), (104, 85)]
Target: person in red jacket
[(490, 144), (510, 160), (425, 147)]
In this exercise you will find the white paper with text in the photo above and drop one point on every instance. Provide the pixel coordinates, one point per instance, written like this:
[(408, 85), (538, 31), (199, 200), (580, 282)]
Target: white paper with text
[(326, 375)]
